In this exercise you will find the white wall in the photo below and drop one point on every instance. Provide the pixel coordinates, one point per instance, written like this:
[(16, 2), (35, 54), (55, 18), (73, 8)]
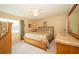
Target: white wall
[(26, 22), (59, 23)]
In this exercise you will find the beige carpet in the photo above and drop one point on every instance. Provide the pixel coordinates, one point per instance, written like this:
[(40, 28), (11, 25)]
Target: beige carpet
[(21, 47)]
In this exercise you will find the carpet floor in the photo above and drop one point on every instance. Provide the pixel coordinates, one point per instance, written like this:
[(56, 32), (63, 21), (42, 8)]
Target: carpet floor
[(21, 47)]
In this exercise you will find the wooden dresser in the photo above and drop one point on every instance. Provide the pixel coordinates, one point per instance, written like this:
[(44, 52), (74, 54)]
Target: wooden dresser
[(5, 41), (66, 44)]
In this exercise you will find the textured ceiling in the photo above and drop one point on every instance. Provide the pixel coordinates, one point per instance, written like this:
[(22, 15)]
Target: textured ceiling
[(29, 10)]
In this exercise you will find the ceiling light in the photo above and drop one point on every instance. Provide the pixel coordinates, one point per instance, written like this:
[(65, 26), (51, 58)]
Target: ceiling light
[(36, 14)]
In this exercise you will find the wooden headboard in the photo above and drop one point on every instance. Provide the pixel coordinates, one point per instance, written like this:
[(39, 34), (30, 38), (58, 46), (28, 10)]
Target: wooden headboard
[(47, 28)]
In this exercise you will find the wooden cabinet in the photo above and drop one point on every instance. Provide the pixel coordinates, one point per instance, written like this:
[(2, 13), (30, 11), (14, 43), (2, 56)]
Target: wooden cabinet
[(5, 41), (66, 49), (1, 46)]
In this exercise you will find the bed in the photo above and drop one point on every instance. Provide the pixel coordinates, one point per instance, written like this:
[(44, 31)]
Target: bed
[(41, 37)]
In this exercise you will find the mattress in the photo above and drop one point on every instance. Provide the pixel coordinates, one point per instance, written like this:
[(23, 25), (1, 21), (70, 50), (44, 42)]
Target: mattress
[(40, 36)]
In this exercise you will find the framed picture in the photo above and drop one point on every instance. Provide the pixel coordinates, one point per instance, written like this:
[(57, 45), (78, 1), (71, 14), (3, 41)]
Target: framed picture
[(29, 25), (44, 23)]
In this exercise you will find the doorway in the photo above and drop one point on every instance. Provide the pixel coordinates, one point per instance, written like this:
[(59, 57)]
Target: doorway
[(16, 34)]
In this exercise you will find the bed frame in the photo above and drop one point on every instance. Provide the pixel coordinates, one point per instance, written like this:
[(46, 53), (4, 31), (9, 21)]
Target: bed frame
[(40, 44), (36, 43)]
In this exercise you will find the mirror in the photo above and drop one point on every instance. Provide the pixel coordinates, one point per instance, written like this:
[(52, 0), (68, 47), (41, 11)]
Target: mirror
[(73, 21), (3, 28)]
